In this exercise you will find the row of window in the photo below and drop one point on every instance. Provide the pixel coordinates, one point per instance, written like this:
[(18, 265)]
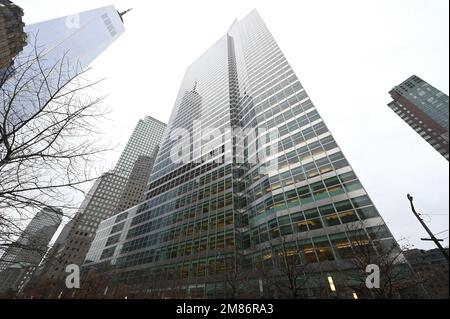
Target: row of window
[(299, 222), (313, 250)]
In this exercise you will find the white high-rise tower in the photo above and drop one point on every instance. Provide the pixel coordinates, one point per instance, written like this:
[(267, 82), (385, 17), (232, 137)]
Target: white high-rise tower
[(80, 37)]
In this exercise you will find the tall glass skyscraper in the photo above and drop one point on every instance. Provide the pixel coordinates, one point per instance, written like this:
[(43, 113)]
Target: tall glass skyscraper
[(57, 51), (21, 258), (212, 210), (80, 37)]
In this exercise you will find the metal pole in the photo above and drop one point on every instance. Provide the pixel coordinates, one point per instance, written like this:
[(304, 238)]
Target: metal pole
[(433, 238)]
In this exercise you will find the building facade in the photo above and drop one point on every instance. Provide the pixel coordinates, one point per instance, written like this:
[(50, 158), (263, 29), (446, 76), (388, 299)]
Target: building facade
[(12, 35), (79, 40), (144, 141), (123, 187), (432, 269), (20, 260), (212, 211), (43, 270), (425, 109), (59, 50), (134, 190)]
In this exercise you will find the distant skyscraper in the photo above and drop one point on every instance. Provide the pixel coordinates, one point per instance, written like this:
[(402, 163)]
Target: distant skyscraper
[(57, 51), (134, 190), (432, 269), (22, 257), (44, 267), (214, 216), (80, 37), (144, 141), (425, 109), (12, 35), (118, 189)]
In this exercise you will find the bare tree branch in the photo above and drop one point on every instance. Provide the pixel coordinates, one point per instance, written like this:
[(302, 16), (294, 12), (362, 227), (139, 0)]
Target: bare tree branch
[(49, 143)]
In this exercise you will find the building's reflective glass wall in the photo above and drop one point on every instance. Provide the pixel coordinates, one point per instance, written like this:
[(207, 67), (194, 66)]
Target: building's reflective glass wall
[(221, 214)]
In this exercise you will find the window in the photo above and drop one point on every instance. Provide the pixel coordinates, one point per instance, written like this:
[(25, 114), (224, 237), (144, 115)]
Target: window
[(311, 213), (348, 216), (367, 212), (361, 201), (353, 186), (332, 220), (314, 224), (343, 205), (326, 210)]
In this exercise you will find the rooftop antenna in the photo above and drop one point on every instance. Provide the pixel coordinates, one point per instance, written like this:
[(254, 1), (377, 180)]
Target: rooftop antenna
[(121, 14)]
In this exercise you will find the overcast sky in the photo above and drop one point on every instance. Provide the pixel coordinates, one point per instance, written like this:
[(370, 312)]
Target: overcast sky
[(347, 54)]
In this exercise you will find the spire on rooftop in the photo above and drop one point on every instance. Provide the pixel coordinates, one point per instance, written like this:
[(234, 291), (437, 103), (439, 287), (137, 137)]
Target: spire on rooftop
[(121, 14)]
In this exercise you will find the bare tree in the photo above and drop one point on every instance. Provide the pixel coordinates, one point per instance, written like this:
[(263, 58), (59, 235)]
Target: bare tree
[(396, 275), (49, 144), (96, 283), (284, 270), (42, 289), (235, 278)]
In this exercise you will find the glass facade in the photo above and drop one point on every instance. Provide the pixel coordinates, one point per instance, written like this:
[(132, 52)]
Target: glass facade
[(80, 37), (113, 192), (144, 141), (21, 258), (427, 98), (215, 214), (425, 109)]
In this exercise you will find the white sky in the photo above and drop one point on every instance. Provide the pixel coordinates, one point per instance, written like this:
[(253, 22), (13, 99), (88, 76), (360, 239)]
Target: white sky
[(347, 54)]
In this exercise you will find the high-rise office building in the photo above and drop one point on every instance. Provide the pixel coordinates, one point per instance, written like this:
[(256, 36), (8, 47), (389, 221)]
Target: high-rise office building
[(223, 212), (79, 38), (12, 35), (73, 41), (134, 190), (20, 260), (425, 109), (43, 269), (432, 268), (144, 141), (58, 50), (121, 188)]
